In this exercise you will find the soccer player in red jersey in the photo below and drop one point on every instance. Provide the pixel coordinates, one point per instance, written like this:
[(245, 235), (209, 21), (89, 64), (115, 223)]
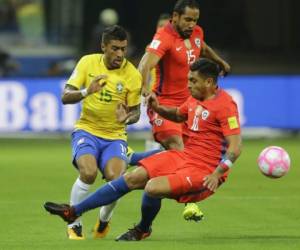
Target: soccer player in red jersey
[(173, 49), (191, 175)]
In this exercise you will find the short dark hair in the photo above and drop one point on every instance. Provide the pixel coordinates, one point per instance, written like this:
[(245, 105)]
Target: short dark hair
[(182, 4), (114, 32), (207, 68)]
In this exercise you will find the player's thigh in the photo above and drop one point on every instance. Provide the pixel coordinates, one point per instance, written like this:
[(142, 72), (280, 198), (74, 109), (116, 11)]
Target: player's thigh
[(163, 163), (159, 187), (188, 180), (113, 160), (85, 151)]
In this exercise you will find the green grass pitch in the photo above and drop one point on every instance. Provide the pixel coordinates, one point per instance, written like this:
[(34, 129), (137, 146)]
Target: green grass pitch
[(250, 211)]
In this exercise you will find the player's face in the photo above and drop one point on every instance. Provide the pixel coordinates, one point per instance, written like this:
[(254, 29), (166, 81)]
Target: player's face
[(186, 22), (198, 85), (114, 53)]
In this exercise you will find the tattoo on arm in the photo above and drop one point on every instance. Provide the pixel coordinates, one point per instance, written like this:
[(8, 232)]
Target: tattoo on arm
[(231, 156)]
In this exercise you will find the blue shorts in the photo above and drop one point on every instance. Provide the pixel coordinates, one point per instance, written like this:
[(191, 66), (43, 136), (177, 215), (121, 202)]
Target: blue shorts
[(103, 149)]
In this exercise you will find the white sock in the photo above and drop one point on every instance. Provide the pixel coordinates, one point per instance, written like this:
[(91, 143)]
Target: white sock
[(106, 212), (78, 192)]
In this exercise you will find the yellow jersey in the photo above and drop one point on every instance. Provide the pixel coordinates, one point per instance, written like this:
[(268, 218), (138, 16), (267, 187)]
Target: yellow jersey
[(98, 114)]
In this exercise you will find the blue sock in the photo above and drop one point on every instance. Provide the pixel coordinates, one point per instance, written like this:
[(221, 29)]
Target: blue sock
[(136, 157), (106, 194), (150, 208)]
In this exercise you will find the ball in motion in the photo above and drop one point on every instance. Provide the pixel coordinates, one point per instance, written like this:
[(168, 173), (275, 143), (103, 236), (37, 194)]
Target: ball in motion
[(274, 162)]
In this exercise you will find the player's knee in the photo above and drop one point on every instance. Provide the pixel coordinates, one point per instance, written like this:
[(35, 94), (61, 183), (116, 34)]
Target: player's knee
[(114, 168), (135, 180), (152, 190), (109, 176), (88, 175)]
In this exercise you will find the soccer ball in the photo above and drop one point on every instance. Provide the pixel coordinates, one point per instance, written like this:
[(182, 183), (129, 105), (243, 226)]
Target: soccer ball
[(274, 162)]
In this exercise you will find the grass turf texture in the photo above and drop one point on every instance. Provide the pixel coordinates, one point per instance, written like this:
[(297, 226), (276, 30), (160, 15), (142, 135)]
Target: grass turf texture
[(250, 211)]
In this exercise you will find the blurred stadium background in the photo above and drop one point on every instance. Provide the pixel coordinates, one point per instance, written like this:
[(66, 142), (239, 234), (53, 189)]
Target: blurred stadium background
[(40, 42)]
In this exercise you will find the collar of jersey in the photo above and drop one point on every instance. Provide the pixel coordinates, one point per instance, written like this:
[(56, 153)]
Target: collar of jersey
[(169, 28)]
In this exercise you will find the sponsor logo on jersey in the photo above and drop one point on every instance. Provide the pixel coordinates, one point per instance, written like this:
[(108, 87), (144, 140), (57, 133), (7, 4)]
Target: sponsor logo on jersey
[(189, 180), (233, 123), (155, 44)]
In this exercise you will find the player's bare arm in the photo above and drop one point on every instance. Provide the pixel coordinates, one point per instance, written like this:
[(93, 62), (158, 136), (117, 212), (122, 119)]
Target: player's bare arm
[(127, 115), (147, 63), (232, 153), (208, 52), (73, 95), (170, 113)]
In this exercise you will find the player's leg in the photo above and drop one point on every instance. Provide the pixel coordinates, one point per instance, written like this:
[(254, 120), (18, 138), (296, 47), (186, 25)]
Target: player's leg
[(105, 195), (115, 167), (113, 163), (155, 189), (135, 157), (149, 209), (84, 159)]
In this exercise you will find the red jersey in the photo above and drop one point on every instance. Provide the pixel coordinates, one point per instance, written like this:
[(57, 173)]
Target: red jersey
[(173, 67), (208, 123)]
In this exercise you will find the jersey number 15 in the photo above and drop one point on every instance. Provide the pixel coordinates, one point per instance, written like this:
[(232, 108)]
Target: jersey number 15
[(105, 95), (190, 56)]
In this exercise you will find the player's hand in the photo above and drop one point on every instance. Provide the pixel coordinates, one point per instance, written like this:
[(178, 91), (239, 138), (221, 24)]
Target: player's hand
[(211, 182), (226, 68), (97, 84), (152, 101), (145, 92), (122, 112)]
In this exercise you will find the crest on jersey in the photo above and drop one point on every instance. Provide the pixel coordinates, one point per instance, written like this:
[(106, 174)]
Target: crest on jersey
[(198, 42), (158, 122), (119, 87), (205, 114)]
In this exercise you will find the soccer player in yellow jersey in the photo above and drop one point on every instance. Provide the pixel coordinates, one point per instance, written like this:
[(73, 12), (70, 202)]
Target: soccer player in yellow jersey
[(109, 87)]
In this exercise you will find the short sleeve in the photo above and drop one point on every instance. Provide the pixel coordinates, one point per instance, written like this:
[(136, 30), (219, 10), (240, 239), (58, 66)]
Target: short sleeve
[(160, 44), (78, 77), (134, 93), (229, 119)]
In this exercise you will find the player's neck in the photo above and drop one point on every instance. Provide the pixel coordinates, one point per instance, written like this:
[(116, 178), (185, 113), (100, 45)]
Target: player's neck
[(211, 95), (107, 64)]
